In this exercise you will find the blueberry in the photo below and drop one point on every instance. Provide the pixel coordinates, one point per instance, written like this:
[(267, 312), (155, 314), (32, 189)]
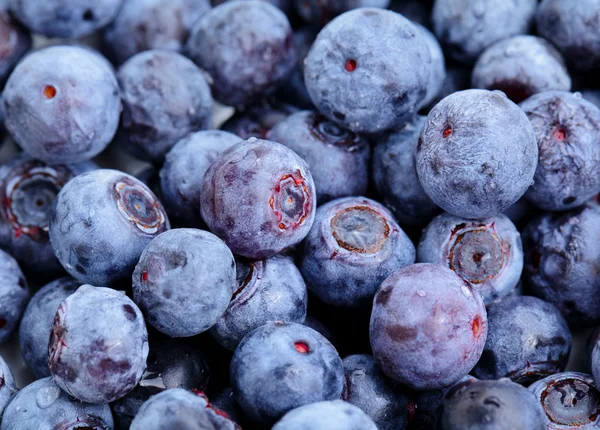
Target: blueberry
[(267, 290), (368, 70), (165, 97), (28, 189), (185, 165), (142, 25), (570, 400), (428, 326), (520, 67), (354, 244), (246, 47), (567, 129), (418, 11), (183, 281), (100, 224), (43, 405), (320, 12), (98, 345), (14, 294), (592, 96), (486, 253), (338, 158), (437, 73), (296, 364), (477, 153), (467, 28), (368, 388), (15, 41), (257, 120), (259, 197), (395, 175), (7, 385), (458, 78), (62, 104), (328, 415)]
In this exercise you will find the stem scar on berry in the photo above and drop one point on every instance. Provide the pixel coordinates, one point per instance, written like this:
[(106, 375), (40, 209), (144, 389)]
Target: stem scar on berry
[(447, 132), (301, 347), (350, 65), (49, 92)]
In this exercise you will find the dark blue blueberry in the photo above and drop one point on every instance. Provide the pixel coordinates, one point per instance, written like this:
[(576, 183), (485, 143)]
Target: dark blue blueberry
[(418, 11), (317, 325), (165, 97), (368, 70), (259, 197), (338, 159), (570, 400), (246, 47), (487, 253), (428, 326), (98, 345), (100, 224), (62, 104), (257, 120), (7, 385), (42, 405), (567, 129), (320, 12), (15, 41), (267, 290), (395, 175), (281, 366), (477, 153), (14, 294), (328, 415), (36, 323), (437, 73), (181, 175), (354, 244), (467, 28)]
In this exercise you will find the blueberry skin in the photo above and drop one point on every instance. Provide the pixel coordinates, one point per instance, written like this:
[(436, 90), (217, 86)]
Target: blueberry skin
[(246, 47), (354, 244), (467, 28), (395, 175), (179, 409), (267, 290), (62, 104), (259, 197), (15, 41), (367, 388), (477, 153), (7, 385), (437, 74), (486, 253), (165, 97), (36, 323), (297, 364), (368, 70), (492, 405), (329, 415), (43, 405), (569, 400), (28, 189), (98, 345), (567, 132), (14, 294), (143, 25), (592, 96), (441, 336), (338, 158), (183, 281), (521, 66), (184, 168), (319, 13), (257, 120), (100, 224)]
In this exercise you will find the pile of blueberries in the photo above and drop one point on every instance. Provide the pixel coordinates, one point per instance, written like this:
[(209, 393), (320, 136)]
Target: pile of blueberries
[(397, 228)]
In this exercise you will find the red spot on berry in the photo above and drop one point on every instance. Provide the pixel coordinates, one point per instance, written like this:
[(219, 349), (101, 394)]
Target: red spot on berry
[(476, 326), (301, 347), (447, 132), (144, 276), (560, 134), (350, 66), (49, 92)]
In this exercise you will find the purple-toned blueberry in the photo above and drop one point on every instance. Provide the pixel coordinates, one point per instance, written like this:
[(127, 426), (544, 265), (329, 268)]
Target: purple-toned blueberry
[(570, 400), (477, 153), (142, 25), (246, 47), (354, 244), (328, 415), (368, 70), (567, 129), (259, 197), (28, 189), (281, 366), (100, 224), (15, 41), (165, 97), (183, 281), (320, 12), (428, 326), (267, 290), (98, 345), (487, 253), (14, 294), (7, 385), (257, 120), (42, 405), (395, 175), (62, 104), (437, 74), (338, 159), (182, 173)]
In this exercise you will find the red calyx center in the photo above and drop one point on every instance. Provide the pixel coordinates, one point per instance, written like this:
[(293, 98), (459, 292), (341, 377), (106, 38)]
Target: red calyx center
[(350, 66), (447, 132), (49, 92), (301, 347), (476, 326), (560, 134), (144, 276)]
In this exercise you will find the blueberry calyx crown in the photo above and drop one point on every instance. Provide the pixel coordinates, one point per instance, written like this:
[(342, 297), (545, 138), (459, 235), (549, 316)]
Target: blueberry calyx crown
[(360, 229), (140, 207), (578, 403), (331, 133), (291, 201)]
